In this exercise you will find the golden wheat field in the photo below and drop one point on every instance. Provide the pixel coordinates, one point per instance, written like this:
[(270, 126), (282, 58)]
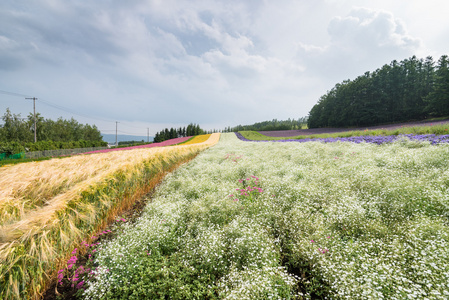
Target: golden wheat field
[(48, 207)]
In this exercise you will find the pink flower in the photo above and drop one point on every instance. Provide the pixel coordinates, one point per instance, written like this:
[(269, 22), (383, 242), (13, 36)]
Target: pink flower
[(60, 276), (71, 262), (80, 284), (74, 251), (312, 241)]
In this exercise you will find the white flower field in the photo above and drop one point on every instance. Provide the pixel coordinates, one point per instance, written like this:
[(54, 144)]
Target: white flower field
[(247, 220)]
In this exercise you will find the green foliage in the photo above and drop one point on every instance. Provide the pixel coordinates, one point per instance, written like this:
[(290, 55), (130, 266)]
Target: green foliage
[(290, 124), (11, 148), (131, 143), (438, 99), (17, 134), (12, 161), (173, 133), (412, 89), (19, 129)]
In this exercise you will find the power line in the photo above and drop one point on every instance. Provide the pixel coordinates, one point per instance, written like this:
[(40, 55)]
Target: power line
[(69, 110), (54, 105), (14, 94)]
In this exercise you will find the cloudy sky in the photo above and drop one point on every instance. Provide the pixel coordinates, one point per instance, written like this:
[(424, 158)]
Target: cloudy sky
[(162, 63)]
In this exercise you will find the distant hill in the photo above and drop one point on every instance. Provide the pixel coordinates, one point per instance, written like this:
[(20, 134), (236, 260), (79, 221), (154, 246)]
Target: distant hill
[(110, 138)]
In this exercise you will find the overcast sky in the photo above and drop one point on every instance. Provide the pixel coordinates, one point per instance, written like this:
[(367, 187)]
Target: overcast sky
[(162, 63)]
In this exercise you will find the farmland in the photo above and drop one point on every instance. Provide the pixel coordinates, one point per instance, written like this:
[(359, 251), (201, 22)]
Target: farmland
[(47, 208), (438, 127), (251, 220)]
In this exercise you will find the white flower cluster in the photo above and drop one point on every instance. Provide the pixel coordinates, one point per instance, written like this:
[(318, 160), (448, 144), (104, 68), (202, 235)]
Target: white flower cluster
[(352, 221)]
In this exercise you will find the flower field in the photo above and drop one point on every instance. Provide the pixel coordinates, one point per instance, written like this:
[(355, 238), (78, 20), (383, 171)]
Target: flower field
[(288, 221), (197, 139), (161, 144), (49, 207), (374, 139)]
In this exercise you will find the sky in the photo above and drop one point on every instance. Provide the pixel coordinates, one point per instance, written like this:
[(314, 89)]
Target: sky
[(151, 64)]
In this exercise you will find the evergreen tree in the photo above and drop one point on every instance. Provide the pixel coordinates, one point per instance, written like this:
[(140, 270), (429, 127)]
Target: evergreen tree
[(438, 99)]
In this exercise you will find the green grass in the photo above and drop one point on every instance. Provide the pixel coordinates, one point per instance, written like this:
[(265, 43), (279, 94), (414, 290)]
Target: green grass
[(435, 129), (21, 160)]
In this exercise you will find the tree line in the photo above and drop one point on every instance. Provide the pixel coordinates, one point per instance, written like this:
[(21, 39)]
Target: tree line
[(412, 89), (17, 134), (173, 133), (289, 124)]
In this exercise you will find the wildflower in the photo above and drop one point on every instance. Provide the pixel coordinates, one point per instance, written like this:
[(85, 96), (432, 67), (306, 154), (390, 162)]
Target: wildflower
[(71, 262), (60, 276), (312, 241), (80, 284), (74, 251)]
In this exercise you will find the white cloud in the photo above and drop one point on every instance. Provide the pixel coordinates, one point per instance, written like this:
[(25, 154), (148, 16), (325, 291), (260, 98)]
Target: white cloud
[(362, 41), (226, 62), (368, 29)]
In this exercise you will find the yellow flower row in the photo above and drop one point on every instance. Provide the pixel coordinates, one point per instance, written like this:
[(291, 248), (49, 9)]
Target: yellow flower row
[(198, 139)]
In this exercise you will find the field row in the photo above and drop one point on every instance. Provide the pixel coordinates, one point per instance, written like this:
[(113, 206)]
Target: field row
[(48, 207), (433, 139), (288, 220)]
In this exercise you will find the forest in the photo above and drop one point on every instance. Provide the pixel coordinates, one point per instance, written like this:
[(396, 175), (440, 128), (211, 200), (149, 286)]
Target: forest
[(289, 124), (17, 134), (173, 133), (412, 89)]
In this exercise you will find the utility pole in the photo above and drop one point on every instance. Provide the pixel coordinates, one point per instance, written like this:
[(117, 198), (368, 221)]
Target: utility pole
[(116, 142), (148, 135), (34, 109)]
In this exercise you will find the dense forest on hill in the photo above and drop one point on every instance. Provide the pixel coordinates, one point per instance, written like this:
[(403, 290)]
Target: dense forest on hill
[(289, 124), (413, 89), (17, 134)]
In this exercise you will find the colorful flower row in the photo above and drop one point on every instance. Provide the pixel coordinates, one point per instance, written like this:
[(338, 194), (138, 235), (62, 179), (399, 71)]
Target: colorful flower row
[(198, 139), (161, 144), (379, 139)]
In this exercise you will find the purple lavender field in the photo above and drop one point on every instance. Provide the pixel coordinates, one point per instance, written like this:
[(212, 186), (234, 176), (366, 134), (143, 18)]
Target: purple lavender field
[(432, 138), (290, 133)]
